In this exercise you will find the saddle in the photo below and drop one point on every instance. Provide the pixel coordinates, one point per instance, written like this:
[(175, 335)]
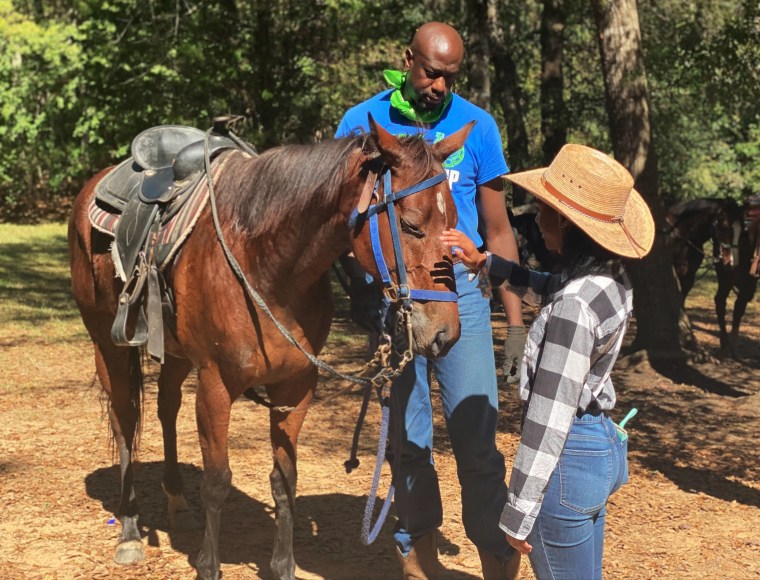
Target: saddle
[(149, 203)]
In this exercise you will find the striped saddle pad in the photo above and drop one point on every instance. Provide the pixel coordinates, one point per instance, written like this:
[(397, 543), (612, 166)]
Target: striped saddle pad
[(176, 220)]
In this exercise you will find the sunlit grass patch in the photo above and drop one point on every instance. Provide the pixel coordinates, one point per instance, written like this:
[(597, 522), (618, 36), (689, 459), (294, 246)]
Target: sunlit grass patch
[(35, 289)]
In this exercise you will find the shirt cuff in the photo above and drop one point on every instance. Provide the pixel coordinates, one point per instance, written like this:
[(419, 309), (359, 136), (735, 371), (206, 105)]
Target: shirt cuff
[(516, 523)]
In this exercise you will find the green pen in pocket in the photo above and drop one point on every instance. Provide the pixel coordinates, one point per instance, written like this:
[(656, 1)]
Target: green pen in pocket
[(622, 433)]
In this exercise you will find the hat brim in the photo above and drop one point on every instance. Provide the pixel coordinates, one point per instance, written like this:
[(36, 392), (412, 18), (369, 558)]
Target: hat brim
[(610, 235)]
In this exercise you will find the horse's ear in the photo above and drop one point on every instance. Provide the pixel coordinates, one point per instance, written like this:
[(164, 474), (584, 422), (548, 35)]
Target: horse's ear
[(389, 147), (453, 142)]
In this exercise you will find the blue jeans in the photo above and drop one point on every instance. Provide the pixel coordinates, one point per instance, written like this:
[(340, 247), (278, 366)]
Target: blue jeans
[(467, 379), (568, 535)]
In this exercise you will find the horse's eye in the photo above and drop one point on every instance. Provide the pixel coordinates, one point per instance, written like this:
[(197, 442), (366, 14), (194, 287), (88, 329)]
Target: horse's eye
[(411, 229)]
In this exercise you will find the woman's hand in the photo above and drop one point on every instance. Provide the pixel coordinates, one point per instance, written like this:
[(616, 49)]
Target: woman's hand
[(466, 250), (521, 546)]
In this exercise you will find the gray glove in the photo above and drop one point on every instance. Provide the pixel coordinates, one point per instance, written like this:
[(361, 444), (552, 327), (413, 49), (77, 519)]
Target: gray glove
[(514, 348)]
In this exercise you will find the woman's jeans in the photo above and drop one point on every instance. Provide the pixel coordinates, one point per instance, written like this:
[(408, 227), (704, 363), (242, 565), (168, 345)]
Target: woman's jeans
[(467, 379), (568, 535)]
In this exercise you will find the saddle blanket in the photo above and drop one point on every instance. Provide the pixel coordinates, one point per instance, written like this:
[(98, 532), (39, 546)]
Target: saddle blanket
[(177, 219)]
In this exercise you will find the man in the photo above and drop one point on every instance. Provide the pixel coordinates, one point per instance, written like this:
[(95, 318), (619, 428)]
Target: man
[(421, 102)]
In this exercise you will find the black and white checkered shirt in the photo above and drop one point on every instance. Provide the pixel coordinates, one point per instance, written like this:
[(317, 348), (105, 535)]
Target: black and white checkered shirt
[(571, 348)]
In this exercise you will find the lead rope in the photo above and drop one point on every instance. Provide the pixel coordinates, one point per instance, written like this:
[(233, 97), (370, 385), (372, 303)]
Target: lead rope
[(386, 374), (254, 295)]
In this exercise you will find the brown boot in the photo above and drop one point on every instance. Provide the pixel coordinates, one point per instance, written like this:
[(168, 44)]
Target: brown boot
[(495, 570), (422, 561)]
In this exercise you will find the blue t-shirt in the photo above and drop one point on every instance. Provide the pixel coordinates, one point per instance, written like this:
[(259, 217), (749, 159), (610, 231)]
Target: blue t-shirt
[(479, 161)]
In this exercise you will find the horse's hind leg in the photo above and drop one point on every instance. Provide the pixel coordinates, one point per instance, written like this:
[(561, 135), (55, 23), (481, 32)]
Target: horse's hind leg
[(173, 373), (747, 288), (212, 410), (283, 430), (120, 373)]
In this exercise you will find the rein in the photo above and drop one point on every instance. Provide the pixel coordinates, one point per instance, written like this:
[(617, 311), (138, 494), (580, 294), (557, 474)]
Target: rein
[(401, 292), (394, 293)]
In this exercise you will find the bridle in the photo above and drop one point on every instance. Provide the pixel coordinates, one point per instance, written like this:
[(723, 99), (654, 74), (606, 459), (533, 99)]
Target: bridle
[(395, 292)]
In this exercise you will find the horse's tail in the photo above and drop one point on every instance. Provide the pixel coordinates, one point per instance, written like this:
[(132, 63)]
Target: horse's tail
[(136, 389)]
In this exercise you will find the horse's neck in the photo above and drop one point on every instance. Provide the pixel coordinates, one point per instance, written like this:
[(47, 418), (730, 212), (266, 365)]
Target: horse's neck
[(307, 244)]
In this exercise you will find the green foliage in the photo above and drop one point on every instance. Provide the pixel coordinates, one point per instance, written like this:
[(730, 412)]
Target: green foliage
[(78, 80), (704, 77), (39, 69)]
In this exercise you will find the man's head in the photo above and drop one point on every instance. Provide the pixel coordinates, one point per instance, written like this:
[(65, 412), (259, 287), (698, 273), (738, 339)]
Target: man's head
[(433, 60)]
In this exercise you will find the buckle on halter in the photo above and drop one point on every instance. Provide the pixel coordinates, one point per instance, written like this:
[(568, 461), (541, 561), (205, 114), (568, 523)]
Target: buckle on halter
[(397, 293)]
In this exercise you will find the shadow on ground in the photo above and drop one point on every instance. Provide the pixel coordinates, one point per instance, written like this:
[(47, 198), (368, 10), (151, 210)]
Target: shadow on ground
[(327, 528)]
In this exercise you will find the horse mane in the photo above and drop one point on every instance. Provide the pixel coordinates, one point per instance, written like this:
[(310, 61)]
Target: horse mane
[(262, 192), (689, 206)]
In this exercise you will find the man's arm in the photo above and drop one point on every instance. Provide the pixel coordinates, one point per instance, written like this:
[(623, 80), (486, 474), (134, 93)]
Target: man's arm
[(500, 240)]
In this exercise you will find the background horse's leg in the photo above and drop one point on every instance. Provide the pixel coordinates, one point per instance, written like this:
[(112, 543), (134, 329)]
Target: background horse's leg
[(120, 373), (747, 287), (174, 371), (212, 410), (721, 296), (284, 428)]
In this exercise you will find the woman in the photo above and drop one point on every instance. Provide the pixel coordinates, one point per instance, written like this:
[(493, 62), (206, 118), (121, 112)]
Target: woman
[(570, 458)]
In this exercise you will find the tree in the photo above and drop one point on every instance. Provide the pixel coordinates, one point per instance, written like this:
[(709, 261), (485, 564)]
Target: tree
[(553, 117), (657, 302)]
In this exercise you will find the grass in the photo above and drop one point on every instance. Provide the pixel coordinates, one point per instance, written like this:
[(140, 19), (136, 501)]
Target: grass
[(36, 304), (35, 289)]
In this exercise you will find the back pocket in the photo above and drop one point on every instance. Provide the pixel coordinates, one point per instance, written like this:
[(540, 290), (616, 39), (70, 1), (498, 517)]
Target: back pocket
[(585, 478)]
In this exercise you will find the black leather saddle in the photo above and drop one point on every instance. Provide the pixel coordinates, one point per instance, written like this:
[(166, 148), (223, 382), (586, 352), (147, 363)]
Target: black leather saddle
[(145, 190)]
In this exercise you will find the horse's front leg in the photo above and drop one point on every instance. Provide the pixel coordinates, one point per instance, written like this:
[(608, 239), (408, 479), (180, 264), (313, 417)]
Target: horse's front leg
[(173, 374), (284, 429), (212, 409)]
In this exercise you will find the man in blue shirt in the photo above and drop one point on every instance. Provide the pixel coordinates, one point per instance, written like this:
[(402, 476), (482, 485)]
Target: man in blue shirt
[(421, 103)]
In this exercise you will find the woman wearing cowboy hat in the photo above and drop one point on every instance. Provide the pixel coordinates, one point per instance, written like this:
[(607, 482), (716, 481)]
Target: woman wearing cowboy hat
[(570, 458)]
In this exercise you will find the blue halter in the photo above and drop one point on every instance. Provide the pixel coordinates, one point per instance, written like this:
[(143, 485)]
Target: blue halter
[(401, 291)]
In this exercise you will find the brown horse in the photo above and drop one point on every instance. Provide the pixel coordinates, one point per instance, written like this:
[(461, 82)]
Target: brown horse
[(736, 249), (285, 216)]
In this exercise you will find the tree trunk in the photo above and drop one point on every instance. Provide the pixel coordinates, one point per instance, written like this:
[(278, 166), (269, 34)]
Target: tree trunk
[(478, 53), (553, 118), (657, 300), (507, 92)]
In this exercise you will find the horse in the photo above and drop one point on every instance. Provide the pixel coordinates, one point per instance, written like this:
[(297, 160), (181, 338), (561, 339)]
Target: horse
[(285, 215), (691, 224), (530, 241), (736, 252)]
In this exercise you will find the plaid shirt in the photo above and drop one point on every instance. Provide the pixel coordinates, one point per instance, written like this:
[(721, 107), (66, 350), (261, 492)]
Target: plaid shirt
[(571, 348)]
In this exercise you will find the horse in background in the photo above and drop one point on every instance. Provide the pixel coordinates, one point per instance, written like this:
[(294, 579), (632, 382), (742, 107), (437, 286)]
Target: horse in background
[(530, 242), (736, 251), (692, 223), (286, 216), (733, 231)]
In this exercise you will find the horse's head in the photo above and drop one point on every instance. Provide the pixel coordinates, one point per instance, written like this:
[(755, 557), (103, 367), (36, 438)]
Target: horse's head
[(404, 206)]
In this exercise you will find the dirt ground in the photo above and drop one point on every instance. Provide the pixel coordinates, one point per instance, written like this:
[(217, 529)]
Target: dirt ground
[(691, 509)]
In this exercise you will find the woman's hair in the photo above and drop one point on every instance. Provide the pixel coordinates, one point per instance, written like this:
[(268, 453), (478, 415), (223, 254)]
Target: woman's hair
[(581, 254)]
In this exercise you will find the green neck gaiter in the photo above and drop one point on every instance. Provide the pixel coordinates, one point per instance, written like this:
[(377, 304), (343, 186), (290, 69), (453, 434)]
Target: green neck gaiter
[(396, 79)]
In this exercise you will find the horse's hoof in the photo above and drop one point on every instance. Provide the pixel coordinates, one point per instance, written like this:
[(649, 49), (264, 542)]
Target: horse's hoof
[(129, 552), (184, 521)]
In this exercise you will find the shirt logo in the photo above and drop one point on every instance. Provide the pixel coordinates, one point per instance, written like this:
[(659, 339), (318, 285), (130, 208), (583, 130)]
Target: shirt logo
[(455, 158)]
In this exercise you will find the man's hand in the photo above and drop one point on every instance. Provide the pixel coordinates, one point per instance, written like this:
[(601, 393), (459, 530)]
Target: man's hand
[(514, 348), (367, 308)]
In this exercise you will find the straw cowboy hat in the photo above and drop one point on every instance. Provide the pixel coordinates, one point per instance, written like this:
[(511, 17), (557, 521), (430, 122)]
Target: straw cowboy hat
[(596, 193)]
